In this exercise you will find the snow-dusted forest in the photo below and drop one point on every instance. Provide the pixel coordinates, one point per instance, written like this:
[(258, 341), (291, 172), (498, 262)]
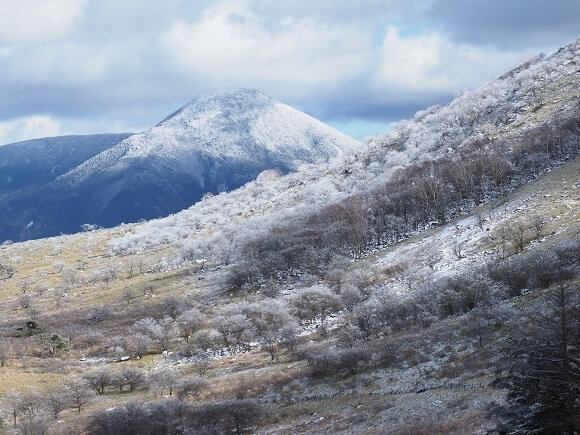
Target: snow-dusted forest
[(426, 282)]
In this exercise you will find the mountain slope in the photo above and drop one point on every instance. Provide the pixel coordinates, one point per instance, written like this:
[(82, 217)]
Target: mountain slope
[(215, 143), (40, 161), (519, 110), (378, 294)]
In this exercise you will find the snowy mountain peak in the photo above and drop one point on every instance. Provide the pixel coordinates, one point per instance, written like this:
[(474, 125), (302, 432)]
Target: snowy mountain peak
[(239, 100), (238, 124)]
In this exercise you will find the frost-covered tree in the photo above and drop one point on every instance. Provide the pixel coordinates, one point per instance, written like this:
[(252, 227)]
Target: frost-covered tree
[(161, 380), (188, 322), (6, 271), (314, 302), (99, 379)]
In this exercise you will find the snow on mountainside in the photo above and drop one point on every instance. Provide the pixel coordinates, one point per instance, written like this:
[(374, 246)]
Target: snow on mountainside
[(214, 144), (242, 125), (386, 291), (235, 124), (501, 110)]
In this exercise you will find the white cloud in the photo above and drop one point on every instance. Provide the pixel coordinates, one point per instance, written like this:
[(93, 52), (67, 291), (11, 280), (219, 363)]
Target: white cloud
[(409, 62), (430, 63), (232, 42), (39, 126), (136, 60), (61, 63), (16, 130), (37, 20)]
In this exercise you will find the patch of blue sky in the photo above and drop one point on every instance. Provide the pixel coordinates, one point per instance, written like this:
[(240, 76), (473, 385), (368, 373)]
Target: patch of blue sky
[(360, 128), (403, 30)]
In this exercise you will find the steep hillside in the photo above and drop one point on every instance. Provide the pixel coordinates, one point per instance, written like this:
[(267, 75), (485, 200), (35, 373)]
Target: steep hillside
[(215, 143), (422, 375), (426, 285), (529, 113)]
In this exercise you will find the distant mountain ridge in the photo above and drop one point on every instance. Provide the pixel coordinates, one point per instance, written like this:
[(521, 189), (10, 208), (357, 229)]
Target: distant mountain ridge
[(40, 161), (215, 143)]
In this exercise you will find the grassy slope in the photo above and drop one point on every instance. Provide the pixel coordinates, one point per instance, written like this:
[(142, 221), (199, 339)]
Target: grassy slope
[(381, 399), (363, 401)]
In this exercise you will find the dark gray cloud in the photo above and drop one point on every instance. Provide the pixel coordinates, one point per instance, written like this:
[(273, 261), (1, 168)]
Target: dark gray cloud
[(507, 24)]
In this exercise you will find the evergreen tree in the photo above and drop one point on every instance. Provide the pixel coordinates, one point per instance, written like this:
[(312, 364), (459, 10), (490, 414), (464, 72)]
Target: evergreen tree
[(543, 369)]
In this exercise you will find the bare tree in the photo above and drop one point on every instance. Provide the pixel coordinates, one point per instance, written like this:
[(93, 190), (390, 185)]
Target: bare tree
[(352, 360), (25, 284), (24, 301), (161, 380), (167, 332), (31, 404), (69, 333), (350, 296), (191, 386), (538, 224), (36, 424), (480, 220), (315, 302), (503, 235), (356, 213), (479, 322), (56, 401), (349, 336), (129, 418), (201, 362), (140, 344), (290, 337), (161, 332), (80, 393), (13, 401), (99, 379), (135, 267), (70, 277), (226, 416), (237, 330), (173, 306), (208, 339), (271, 343), (4, 352), (132, 377), (457, 248), (127, 296), (517, 235), (59, 266)]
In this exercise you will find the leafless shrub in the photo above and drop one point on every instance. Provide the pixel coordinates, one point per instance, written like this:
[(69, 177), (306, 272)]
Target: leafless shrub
[(191, 386), (458, 249), (24, 301)]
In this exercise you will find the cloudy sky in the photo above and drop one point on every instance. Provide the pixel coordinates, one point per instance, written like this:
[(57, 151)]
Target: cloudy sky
[(91, 66)]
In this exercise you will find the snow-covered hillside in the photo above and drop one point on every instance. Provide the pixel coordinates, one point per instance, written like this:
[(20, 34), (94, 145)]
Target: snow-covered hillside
[(214, 144), (501, 110), (242, 126)]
